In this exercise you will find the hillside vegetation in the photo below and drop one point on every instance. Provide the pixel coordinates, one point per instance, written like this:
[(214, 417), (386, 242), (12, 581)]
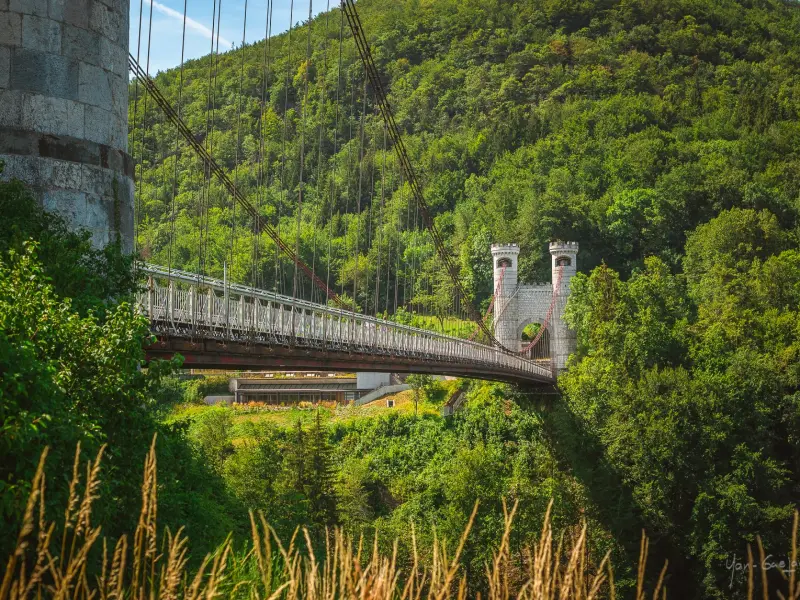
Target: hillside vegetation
[(621, 125)]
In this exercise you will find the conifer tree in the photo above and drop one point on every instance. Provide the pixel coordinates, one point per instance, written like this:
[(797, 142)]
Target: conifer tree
[(319, 471), (296, 460)]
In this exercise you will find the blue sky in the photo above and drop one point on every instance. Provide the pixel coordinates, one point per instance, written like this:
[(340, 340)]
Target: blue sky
[(165, 39)]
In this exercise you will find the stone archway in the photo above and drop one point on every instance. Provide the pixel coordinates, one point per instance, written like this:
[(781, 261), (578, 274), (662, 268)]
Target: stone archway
[(527, 331)]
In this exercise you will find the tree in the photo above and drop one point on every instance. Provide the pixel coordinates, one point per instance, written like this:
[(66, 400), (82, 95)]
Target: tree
[(319, 476), (252, 469), (352, 497), (295, 463), (672, 369), (212, 434), (92, 278), (420, 384)]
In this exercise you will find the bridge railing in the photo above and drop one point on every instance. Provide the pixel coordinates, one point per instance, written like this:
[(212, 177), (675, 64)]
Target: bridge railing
[(186, 305)]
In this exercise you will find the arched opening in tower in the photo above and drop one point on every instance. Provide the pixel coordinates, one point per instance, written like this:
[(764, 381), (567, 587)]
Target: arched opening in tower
[(541, 350), (563, 261), (503, 262)]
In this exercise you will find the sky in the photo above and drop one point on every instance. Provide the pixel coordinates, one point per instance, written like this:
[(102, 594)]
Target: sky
[(167, 25)]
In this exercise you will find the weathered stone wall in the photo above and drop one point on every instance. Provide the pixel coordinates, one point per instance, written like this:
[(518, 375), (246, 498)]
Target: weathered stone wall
[(64, 110)]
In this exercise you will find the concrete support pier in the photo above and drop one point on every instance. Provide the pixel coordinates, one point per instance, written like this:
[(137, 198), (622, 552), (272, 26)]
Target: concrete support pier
[(64, 110)]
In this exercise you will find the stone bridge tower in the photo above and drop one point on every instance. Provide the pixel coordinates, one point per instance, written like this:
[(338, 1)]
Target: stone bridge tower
[(64, 110), (517, 306)]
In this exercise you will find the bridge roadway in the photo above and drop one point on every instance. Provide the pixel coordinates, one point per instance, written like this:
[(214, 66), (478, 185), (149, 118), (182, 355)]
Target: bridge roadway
[(218, 325)]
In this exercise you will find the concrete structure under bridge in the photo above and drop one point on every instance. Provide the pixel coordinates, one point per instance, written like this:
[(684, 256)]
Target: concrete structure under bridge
[(283, 391)]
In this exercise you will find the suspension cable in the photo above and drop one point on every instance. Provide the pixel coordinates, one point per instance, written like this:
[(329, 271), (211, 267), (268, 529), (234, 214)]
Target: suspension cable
[(321, 130), (304, 107), (214, 167), (378, 272), (266, 62), (381, 98), (334, 199)]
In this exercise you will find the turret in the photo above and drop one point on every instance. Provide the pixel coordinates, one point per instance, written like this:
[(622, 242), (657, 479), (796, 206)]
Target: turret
[(505, 259), (564, 259)]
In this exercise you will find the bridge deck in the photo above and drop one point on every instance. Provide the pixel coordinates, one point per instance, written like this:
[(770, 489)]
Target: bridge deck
[(214, 325)]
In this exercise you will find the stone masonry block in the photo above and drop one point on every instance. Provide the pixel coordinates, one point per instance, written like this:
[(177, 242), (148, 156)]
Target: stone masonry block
[(55, 9), (10, 28), (48, 74), (112, 56), (29, 7), (62, 174), (119, 95), (52, 115), (76, 12), (3, 4), (41, 34), (5, 65), (18, 167), (93, 86), (70, 204), (10, 107), (99, 209), (103, 127), (107, 22), (81, 44), (98, 180)]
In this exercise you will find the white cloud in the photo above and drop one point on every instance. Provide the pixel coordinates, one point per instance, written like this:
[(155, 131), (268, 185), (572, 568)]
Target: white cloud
[(190, 23)]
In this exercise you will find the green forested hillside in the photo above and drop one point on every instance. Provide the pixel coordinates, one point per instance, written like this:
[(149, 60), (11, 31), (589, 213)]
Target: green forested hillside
[(621, 125)]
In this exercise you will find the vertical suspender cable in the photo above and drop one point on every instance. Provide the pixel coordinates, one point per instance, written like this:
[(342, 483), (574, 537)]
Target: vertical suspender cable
[(287, 83), (136, 187), (177, 138), (236, 164), (348, 193), (203, 204), (389, 243), (138, 223), (358, 195), (262, 185), (321, 116), (304, 108), (380, 225), (334, 200)]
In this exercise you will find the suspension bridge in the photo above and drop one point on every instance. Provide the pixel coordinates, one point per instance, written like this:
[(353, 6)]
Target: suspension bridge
[(279, 214)]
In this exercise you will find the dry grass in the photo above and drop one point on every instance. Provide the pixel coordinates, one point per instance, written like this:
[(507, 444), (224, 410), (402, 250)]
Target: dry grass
[(155, 568)]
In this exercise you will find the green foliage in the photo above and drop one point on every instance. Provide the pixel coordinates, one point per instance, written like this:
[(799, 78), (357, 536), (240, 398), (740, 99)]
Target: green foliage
[(212, 433), (91, 278), (319, 476), (689, 384), (70, 372), (195, 390)]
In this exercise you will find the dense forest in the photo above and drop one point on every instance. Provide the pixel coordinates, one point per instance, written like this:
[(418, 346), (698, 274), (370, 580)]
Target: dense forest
[(664, 137)]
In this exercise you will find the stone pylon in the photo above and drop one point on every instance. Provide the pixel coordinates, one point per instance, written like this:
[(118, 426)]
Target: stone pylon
[(64, 110), (517, 305), (564, 258)]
